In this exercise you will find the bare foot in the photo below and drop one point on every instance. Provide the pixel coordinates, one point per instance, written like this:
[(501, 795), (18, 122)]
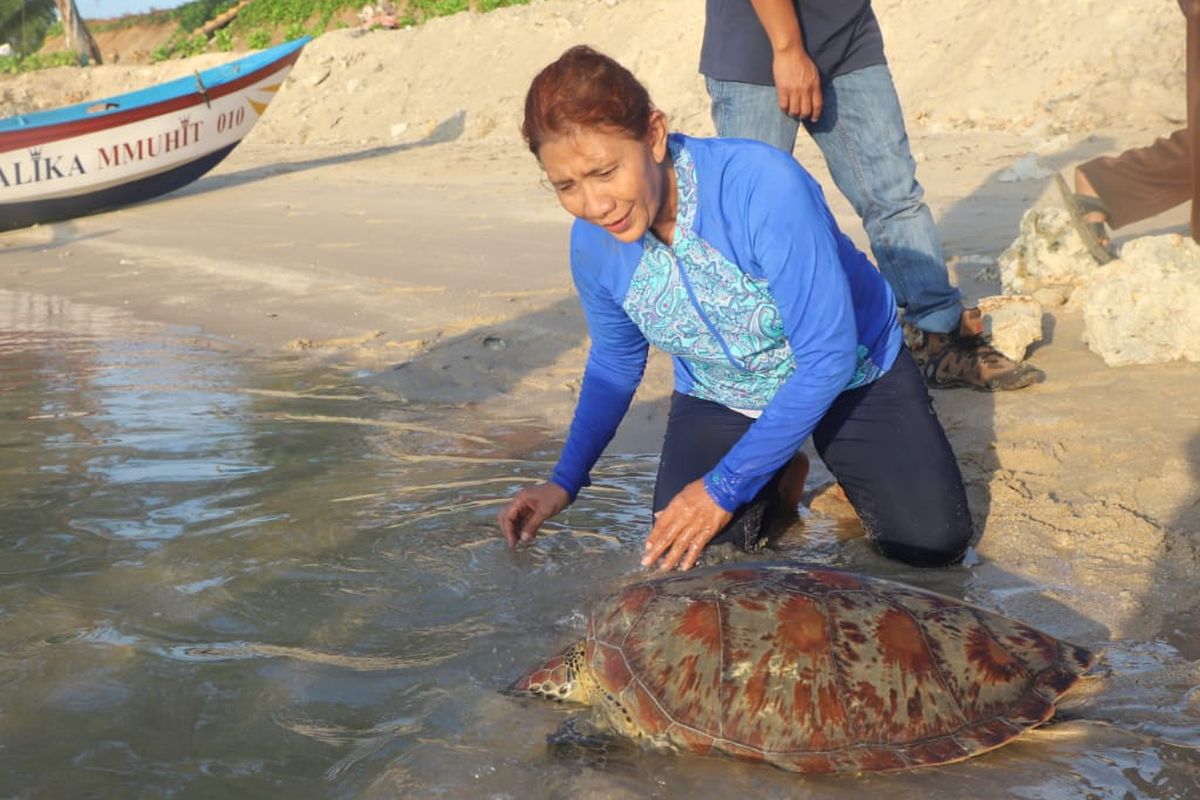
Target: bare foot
[(830, 500), (791, 485)]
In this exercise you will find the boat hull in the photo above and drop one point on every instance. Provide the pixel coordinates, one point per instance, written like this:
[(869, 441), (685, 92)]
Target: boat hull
[(133, 147), (35, 212)]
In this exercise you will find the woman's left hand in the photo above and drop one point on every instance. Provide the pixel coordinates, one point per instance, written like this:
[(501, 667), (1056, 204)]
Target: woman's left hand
[(684, 527)]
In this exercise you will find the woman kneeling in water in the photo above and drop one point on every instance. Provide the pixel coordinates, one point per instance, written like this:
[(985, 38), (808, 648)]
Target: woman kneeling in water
[(723, 253)]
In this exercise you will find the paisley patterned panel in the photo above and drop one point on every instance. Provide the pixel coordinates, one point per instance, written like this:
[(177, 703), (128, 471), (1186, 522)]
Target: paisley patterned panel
[(657, 301), (865, 370), (692, 302)]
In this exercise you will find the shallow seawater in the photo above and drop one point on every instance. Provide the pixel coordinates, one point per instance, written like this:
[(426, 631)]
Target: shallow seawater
[(230, 577)]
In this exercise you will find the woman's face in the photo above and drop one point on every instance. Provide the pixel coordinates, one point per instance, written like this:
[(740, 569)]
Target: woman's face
[(609, 178)]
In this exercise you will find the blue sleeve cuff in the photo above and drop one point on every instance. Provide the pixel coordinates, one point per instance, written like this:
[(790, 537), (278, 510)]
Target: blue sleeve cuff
[(730, 492), (571, 485)]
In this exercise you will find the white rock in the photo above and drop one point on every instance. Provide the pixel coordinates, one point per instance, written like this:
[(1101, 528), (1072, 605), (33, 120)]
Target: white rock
[(1025, 169), (1144, 308), (1012, 322), (1047, 260)]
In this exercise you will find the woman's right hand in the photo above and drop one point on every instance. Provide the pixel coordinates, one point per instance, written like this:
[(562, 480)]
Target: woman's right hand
[(525, 513)]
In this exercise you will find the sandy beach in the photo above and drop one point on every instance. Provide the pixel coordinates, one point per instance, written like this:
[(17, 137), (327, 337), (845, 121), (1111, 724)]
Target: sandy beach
[(384, 216)]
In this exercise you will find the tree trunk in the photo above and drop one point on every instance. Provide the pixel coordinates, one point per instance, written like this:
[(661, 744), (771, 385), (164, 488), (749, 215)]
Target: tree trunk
[(221, 20), (79, 38)]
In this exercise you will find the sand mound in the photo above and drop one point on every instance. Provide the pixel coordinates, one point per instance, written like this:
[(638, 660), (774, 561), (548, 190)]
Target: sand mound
[(1020, 66), (1080, 65)]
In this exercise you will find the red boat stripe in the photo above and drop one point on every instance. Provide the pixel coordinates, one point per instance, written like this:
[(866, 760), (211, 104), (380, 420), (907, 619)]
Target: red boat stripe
[(15, 140)]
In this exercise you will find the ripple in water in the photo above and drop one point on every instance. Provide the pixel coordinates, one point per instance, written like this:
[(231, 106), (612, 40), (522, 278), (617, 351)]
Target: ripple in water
[(229, 577)]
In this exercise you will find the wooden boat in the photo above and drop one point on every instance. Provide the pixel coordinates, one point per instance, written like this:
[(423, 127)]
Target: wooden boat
[(99, 155)]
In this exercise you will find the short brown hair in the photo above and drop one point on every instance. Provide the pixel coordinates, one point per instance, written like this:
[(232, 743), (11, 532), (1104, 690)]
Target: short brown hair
[(584, 88)]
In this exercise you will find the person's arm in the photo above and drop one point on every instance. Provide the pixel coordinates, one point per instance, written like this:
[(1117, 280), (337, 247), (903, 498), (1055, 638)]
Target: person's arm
[(601, 407), (1190, 8), (616, 361), (797, 79), (795, 242), (598, 412)]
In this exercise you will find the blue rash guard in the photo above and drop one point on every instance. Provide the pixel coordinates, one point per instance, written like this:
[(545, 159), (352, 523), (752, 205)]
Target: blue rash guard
[(764, 305)]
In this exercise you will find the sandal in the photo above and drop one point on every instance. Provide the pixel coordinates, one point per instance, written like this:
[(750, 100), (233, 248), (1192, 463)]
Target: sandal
[(1093, 234), (967, 359)]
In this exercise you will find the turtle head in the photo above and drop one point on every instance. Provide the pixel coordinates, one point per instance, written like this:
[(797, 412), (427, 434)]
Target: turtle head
[(562, 678)]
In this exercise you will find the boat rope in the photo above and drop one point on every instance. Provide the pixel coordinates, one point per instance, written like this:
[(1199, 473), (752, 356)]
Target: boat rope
[(202, 87)]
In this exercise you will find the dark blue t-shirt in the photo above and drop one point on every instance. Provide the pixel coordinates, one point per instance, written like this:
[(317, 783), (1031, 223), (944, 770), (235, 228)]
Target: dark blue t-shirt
[(841, 36)]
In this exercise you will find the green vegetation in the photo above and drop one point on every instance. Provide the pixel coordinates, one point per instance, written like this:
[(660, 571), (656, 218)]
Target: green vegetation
[(194, 14), (420, 10), (25, 23), (223, 39), (181, 46), (259, 39), (294, 31), (188, 16), (11, 65), (278, 13)]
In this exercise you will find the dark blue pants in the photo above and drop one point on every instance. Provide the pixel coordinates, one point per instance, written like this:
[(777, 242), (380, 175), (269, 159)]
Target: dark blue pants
[(884, 444)]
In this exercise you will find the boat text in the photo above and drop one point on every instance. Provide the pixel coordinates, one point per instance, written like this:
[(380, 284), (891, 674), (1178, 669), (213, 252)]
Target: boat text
[(38, 169), (118, 155)]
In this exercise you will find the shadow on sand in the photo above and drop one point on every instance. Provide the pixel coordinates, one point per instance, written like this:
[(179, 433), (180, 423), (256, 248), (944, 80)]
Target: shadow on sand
[(448, 130)]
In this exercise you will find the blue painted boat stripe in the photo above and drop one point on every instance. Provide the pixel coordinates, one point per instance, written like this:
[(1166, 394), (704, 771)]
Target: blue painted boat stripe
[(180, 87)]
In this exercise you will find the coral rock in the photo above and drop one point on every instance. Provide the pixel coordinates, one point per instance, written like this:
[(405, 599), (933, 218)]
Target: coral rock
[(1012, 323), (1048, 260), (1142, 308)]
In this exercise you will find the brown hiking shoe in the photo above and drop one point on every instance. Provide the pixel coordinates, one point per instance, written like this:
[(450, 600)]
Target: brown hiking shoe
[(965, 358)]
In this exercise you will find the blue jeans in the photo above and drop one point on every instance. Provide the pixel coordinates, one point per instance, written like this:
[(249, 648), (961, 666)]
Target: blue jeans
[(861, 134)]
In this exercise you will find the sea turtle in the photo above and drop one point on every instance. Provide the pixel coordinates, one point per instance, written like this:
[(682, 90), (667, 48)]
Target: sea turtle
[(809, 668)]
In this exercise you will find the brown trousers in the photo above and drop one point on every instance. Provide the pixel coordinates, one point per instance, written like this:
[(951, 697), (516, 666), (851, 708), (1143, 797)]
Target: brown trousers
[(1146, 181)]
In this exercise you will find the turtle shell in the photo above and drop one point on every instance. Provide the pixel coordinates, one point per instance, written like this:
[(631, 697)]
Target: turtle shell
[(819, 670)]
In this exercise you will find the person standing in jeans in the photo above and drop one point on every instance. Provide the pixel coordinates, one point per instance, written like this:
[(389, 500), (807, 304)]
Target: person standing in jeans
[(773, 65)]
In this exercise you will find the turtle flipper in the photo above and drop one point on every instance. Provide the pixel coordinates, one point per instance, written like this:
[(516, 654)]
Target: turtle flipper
[(581, 741)]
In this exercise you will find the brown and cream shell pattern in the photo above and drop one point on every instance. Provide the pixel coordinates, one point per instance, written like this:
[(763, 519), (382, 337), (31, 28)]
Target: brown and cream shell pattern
[(811, 669)]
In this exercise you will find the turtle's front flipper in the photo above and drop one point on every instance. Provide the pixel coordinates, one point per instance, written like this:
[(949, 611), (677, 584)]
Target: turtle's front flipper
[(581, 741)]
